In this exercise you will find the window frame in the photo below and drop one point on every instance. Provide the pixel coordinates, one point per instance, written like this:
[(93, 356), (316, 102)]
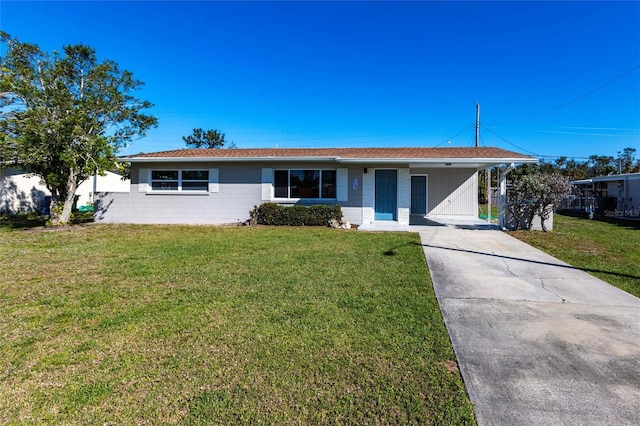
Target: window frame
[(321, 184), (180, 181)]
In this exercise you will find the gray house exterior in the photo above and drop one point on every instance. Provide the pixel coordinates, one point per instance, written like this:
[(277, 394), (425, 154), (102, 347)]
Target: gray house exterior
[(619, 195), (219, 186)]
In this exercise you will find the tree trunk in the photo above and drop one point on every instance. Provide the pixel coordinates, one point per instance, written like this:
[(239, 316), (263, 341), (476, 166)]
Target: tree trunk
[(530, 215), (545, 213), (516, 216), (58, 216), (543, 220)]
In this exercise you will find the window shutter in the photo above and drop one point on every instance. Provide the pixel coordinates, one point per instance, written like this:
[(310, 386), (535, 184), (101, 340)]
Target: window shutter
[(342, 184), (144, 180), (214, 180), (267, 184)]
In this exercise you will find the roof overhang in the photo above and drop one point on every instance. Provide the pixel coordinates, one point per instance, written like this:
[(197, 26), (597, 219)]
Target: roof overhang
[(477, 163), (610, 178), (221, 159), (582, 182), (615, 178)]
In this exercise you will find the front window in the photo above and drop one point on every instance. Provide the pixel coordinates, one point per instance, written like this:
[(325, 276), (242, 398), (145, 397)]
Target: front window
[(305, 184), (179, 180)]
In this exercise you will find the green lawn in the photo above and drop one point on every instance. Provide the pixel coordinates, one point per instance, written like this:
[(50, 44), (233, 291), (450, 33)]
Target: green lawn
[(610, 252), (199, 325)]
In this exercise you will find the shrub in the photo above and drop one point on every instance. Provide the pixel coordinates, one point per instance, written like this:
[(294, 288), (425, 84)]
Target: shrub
[(275, 214)]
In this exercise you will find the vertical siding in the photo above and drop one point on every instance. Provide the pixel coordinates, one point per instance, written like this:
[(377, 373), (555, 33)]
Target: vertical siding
[(453, 191)]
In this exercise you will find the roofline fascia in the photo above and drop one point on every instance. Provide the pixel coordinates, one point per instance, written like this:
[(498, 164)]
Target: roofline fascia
[(613, 178), (470, 160), (610, 178), (456, 160), (581, 181), (222, 159)]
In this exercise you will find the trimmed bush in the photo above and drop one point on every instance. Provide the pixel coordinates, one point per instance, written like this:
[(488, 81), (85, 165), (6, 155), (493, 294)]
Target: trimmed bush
[(275, 214)]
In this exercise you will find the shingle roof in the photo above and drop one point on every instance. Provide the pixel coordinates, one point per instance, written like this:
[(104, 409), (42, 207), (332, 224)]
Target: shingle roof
[(344, 153)]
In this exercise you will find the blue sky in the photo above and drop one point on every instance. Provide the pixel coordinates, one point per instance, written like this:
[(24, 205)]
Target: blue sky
[(361, 74)]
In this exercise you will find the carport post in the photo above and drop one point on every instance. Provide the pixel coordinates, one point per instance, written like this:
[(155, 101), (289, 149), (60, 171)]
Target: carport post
[(502, 204), (489, 194)]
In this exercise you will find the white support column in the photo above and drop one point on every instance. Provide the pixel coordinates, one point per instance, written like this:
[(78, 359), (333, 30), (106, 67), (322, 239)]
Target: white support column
[(502, 203), (502, 200), (404, 195), (580, 197), (368, 196), (488, 194)]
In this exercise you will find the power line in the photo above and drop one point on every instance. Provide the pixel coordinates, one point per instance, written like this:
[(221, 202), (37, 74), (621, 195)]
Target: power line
[(532, 153), (503, 139), (571, 101), (454, 136)]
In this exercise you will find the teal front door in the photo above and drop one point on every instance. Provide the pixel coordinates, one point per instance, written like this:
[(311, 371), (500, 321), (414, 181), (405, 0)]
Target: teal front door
[(386, 195), (418, 195)]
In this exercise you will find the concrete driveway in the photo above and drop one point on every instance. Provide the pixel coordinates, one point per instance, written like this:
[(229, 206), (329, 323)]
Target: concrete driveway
[(538, 342)]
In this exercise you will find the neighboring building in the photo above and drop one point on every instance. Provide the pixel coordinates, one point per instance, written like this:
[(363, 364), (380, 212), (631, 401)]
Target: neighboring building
[(613, 195), (25, 193), (216, 186)]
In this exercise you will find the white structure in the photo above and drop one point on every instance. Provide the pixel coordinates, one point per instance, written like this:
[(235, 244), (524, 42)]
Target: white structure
[(24, 193)]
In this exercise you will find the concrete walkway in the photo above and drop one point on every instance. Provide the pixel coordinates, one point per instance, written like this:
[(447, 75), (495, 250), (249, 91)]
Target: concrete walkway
[(538, 342)]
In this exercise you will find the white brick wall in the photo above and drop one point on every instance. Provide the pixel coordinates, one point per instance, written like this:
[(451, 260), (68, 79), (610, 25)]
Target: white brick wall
[(404, 196), (368, 196)]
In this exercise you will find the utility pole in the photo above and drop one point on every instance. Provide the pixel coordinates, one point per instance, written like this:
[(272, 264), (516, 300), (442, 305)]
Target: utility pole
[(477, 123)]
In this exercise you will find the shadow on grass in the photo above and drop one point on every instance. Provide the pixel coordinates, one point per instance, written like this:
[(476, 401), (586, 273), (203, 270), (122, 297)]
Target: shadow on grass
[(559, 265), (21, 221), (30, 221), (392, 251)]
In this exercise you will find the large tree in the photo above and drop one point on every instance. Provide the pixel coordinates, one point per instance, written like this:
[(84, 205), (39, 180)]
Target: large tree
[(536, 193), (625, 160), (207, 139), (602, 165), (64, 116)]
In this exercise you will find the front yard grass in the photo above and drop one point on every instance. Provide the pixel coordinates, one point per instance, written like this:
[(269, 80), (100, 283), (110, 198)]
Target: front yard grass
[(608, 251), (207, 325)]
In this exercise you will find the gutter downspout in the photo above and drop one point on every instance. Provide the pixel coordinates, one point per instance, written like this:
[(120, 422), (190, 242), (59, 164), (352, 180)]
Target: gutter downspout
[(502, 202)]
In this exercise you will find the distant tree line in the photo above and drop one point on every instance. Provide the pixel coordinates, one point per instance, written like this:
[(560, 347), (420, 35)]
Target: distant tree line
[(596, 165), (538, 189)]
